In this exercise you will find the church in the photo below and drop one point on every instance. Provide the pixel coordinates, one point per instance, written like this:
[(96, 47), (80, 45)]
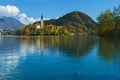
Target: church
[(40, 24)]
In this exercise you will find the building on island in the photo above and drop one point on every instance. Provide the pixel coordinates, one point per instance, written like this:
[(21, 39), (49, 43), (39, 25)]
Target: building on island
[(37, 24), (40, 24)]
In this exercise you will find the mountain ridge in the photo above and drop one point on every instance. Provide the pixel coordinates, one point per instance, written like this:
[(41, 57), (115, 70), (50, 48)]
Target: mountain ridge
[(9, 23), (74, 19)]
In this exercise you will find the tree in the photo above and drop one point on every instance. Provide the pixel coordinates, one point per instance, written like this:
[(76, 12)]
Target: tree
[(116, 14), (106, 23)]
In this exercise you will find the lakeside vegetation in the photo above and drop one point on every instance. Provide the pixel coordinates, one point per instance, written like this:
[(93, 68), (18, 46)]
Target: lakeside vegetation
[(48, 30)]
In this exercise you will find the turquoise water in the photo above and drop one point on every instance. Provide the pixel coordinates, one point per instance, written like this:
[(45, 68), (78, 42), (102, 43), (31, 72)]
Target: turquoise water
[(59, 58)]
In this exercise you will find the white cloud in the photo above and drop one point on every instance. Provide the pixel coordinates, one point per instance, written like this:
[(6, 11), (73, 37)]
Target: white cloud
[(57, 17), (22, 15), (25, 19), (31, 20), (46, 18), (28, 20), (9, 10)]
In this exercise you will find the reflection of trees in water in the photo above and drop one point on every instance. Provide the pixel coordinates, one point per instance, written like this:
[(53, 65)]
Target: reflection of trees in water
[(77, 46), (106, 49), (73, 46), (109, 49), (117, 52)]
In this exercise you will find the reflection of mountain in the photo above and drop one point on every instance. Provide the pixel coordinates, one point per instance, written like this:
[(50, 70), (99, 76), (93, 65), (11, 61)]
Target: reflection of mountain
[(73, 46), (8, 44), (14, 50), (23, 56)]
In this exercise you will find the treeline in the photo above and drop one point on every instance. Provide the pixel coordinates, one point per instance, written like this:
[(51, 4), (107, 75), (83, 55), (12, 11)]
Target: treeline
[(47, 30), (50, 30), (109, 22)]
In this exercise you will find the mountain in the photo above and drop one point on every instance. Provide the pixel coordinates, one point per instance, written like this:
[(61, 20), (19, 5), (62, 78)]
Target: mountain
[(8, 23), (73, 19)]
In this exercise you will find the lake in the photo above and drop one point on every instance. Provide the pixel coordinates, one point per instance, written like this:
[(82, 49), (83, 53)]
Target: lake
[(59, 58)]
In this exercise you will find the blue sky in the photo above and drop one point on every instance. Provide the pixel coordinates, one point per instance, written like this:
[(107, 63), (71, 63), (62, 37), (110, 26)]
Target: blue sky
[(57, 8)]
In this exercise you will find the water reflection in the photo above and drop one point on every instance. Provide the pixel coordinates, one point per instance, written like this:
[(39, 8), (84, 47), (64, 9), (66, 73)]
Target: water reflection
[(109, 50), (8, 57), (15, 49), (106, 49), (72, 46), (76, 47), (48, 54)]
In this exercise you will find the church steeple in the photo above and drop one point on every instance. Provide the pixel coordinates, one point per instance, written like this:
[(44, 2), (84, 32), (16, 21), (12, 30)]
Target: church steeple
[(42, 21), (41, 16)]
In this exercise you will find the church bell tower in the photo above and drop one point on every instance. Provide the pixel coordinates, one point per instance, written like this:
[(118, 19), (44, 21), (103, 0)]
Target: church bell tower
[(42, 22)]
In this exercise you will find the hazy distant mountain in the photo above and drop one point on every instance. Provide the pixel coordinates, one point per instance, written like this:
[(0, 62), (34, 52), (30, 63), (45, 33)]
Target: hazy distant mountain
[(8, 23), (73, 19)]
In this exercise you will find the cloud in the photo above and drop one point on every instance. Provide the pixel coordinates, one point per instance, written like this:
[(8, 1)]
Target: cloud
[(28, 20), (22, 15), (13, 11), (25, 19), (9, 10)]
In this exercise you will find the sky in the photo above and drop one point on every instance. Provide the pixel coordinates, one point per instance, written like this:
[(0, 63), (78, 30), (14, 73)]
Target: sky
[(28, 11)]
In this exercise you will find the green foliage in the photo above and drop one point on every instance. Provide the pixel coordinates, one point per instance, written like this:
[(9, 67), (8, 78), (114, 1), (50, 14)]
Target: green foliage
[(109, 22), (116, 13), (48, 30), (65, 31), (106, 22)]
